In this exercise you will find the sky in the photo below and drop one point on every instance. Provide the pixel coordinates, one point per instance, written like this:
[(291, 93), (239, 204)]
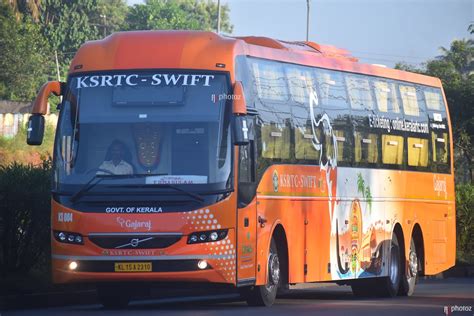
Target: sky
[(375, 31)]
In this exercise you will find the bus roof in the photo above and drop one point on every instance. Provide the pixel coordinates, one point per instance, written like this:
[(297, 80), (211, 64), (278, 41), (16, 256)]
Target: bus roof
[(210, 51)]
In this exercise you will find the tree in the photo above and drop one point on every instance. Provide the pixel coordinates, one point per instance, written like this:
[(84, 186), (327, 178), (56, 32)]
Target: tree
[(177, 14), (460, 56), (455, 68), (68, 24), (112, 14), (25, 7), (25, 61)]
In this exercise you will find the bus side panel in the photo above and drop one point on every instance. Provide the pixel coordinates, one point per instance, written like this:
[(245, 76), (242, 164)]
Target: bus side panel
[(284, 193), (318, 232), (365, 213), (280, 211), (430, 202), (246, 242)]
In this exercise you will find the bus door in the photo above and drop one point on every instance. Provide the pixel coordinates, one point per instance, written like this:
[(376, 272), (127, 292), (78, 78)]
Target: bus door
[(247, 210)]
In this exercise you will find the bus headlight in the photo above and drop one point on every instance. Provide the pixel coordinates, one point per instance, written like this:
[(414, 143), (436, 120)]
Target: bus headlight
[(213, 236), (73, 265), (207, 236), (202, 264), (68, 237), (62, 237)]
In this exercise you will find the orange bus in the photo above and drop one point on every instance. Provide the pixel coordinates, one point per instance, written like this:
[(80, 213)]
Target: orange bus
[(186, 156)]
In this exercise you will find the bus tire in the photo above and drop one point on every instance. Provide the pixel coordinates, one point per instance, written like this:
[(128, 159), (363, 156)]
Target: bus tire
[(265, 295), (112, 298), (410, 277), (388, 286)]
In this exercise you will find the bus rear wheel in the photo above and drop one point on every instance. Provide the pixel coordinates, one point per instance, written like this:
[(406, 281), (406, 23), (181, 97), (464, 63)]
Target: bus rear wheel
[(112, 297), (265, 295), (388, 286), (409, 279)]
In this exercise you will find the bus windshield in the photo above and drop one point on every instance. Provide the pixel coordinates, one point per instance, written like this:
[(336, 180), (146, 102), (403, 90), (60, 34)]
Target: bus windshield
[(168, 127)]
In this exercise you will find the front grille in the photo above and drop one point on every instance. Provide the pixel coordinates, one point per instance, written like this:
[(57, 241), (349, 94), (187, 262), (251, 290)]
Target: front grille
[(134, 241), (157, 266)]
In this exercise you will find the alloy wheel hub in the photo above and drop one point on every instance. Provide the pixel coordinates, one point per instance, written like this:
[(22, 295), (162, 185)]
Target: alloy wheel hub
[(274, 269), (413, 263)]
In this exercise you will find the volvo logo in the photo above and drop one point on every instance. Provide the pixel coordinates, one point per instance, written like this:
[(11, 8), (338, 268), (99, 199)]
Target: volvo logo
[(134, 242)]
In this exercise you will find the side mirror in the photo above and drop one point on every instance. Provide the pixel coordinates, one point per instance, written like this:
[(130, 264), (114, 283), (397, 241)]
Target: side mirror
[(239, 105), (241, 131), (40, 106), (35, 131)]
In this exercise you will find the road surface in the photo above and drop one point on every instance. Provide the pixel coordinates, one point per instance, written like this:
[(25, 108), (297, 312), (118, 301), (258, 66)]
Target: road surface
[(430, 298)]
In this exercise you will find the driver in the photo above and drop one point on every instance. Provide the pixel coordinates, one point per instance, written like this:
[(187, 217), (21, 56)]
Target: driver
[(116, 164)]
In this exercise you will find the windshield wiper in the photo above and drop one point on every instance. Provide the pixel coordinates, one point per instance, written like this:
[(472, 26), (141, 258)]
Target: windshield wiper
[(171, 186), (224, 191), (99, 177)]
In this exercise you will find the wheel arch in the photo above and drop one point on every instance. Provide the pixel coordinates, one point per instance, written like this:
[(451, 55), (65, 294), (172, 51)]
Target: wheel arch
[(281, 241), (398, 231), (417, 235)]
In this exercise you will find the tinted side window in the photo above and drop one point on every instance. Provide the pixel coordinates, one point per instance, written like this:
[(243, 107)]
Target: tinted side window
[(409, 100), (417, 152), (440, 151), (300, 83), (304, 148), (433, 99), (274, 122), (332, 90), (275, 141), (366, 149), (439, 131), (392, 150), (344, 150), (386, 96), (360, 95), (270, 80)]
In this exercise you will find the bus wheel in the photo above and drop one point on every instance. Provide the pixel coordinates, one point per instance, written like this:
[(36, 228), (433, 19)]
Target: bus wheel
[(113, 298), (388, 286), (265, 295), (409, 279)]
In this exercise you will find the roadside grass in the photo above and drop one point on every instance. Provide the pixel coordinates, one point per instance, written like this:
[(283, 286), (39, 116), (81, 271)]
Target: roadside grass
[(15, 149)]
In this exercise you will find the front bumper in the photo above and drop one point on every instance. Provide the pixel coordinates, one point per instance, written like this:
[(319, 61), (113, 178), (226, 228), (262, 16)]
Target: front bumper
[(178, 263)]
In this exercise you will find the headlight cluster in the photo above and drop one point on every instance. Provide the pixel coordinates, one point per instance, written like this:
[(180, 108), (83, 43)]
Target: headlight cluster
[(69, 238), (207, 236)]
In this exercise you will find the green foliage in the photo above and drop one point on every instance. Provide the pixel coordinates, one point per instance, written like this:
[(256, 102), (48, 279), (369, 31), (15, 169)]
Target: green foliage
[(364, 190), (68, 24), (177, 14), (465, 222), (24, 61), (16, 149), (25, 212), (360, 184), (455, 68), (368, 196), (112, 14)]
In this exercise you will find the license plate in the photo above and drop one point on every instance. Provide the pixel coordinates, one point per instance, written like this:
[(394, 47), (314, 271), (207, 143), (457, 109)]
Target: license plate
[(133, 267)]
